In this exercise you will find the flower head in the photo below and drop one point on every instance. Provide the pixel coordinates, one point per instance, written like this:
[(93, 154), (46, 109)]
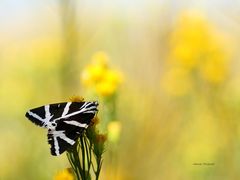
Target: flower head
[(94, 121), (197, 51), (98, 148), (76, 99), (65, 174), (98, 76), (109, 83)]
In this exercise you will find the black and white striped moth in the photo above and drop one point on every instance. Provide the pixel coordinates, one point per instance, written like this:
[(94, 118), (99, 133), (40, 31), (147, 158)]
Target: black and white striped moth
[(65, 122)]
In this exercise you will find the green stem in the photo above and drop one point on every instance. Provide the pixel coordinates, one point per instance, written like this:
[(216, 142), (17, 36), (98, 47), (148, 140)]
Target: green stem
[(99, 165), (74, 160), (83, 162), (83, 157), (74, 164), (88, 152)]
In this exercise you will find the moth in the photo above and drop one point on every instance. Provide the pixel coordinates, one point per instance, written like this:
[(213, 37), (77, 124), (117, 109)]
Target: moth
[(65, 122)]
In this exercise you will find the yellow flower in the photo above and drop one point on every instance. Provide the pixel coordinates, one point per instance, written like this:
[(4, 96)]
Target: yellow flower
[(113, 76), (105, 88), (214, 70), (65, 174), (95, 71), (100, 77), (197, 50), (114, 131), (109, 83), (184, 55), (92, 74), (76, 99), (189, 39)]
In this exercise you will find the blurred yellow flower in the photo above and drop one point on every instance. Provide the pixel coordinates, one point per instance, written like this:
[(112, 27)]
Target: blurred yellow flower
[(65, 174), (92, 74), (189, 39), (184, 55), (214, 70), (114, 131), (197, 50), (113, 76), (100, 77), (109, 83), (105, 88)]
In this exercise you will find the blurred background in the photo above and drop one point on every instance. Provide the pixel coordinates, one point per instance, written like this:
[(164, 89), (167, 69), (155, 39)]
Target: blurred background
[(178, 101)]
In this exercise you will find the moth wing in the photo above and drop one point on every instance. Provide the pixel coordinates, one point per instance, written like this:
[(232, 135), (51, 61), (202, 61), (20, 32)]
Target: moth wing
[(76, 115), (65, 135), (72, 122), (42, 115), (70, 119), (61, 141)]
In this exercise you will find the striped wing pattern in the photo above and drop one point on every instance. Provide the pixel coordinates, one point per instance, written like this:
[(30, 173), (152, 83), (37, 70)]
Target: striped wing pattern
[(64, 121)]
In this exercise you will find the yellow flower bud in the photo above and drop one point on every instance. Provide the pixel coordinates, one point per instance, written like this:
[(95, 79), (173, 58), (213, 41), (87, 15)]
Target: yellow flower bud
[(114, 131)]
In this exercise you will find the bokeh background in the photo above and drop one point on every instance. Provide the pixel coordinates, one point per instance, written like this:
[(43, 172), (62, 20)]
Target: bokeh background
[(178, 102)]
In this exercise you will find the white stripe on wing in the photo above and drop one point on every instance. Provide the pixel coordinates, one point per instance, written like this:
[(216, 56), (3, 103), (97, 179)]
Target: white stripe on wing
[(66, 109), (56, 146), (75, 123)]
